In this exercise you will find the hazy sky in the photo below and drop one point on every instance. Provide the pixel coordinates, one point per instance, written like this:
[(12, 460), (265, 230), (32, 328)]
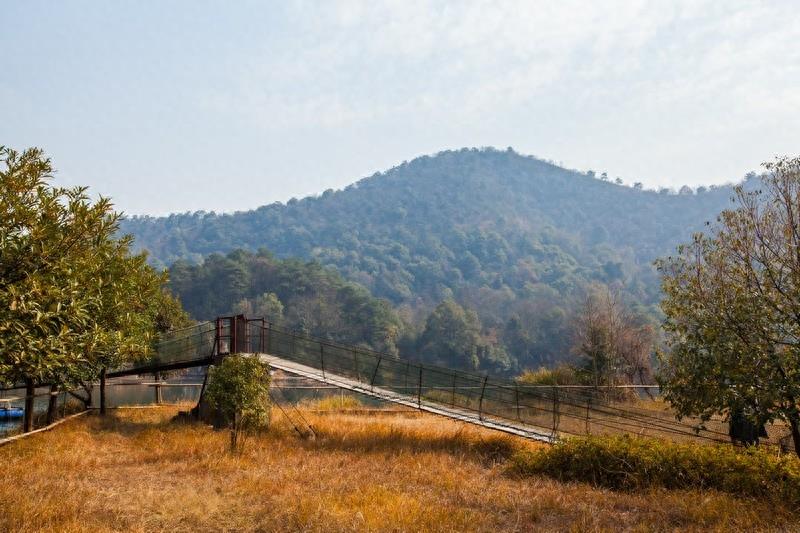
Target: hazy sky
[(176, 106)]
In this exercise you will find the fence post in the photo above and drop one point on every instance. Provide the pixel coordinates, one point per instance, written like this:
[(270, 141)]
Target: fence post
[(234, 336), (516, 394), (322, 359), (261, 343), (375, 373), (30, 391), (218, 337), (588, 407), (555, 411), (355, 364), (52, 405), (480, 403), (103, 391), (453, 397), (419, 388)]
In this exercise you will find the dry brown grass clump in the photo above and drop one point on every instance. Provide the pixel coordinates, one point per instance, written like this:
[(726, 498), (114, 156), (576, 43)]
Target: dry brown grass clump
[(138, 471), (334, 402)]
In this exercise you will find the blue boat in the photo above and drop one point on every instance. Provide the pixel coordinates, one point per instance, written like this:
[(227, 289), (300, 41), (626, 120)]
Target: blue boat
[(7, 411)]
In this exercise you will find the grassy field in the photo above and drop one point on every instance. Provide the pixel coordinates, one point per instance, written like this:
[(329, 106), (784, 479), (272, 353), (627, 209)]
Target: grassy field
[(137, 470)]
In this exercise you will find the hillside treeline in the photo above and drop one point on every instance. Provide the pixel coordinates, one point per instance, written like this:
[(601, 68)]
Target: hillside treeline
[(307, 297), (518, 241)]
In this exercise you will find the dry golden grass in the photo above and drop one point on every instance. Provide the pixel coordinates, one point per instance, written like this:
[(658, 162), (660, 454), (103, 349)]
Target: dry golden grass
[(138, 471), (334, 402)]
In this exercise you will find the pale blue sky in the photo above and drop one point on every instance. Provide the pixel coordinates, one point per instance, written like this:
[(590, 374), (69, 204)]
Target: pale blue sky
[(176, 106)]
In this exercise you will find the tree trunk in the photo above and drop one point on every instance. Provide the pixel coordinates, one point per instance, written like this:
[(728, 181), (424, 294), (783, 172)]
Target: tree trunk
[(87, 402), (103, 392), (236, 427), (52, 405), (30, 390), (794, 422)]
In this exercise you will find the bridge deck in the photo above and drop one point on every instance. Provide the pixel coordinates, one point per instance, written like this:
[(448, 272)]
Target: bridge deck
[(471, 417)]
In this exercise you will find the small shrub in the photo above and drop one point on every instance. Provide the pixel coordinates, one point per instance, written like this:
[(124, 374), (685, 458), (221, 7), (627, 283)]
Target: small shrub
[(560, 375), (239, 389), (630, 463)]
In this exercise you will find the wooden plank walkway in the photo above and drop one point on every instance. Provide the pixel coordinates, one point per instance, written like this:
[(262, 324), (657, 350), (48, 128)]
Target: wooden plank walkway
[(455, 413)]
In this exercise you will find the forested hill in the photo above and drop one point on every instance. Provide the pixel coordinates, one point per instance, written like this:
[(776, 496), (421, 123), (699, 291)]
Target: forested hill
[(499, 232)]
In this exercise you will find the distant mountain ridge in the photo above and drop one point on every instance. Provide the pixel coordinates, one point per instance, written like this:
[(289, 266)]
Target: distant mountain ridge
[(492, 229), (470, 200)]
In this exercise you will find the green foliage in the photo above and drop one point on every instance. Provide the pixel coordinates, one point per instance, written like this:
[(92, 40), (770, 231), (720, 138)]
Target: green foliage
[(451, 335), (239, 389), (633, 463), (731, 305), (167, 312), (514, 238), (562, 374), (267, 305), (73, 299), (46, 244), (319, 301)]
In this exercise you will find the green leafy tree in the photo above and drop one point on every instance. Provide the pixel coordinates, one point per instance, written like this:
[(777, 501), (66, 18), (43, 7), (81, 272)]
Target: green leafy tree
[(48, 241), (732, 306), (73, 300), (266, 305), (133, 309), (451, 336), (239, 389), (301, 295)]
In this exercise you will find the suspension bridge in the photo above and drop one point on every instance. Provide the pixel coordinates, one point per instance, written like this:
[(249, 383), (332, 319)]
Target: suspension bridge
[(541, 413)]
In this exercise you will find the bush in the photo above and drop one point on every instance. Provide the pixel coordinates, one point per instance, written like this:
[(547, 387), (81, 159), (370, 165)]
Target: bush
[(239, 389), (560, 375), (629, 463)]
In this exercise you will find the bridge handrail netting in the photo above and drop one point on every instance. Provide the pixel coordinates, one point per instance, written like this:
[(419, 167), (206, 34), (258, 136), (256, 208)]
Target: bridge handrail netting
[(178, 348), (561, 411)]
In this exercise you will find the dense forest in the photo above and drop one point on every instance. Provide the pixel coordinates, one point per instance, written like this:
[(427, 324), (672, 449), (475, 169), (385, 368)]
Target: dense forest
[(301, 295), (513, 242)]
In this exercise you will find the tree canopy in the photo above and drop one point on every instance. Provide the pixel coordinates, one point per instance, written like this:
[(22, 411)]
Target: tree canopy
[(298, 294), (239, 390), (732, 306), (72, 297)]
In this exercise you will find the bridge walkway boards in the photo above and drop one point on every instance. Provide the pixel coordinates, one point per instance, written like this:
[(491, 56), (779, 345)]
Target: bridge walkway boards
[(455, 413)]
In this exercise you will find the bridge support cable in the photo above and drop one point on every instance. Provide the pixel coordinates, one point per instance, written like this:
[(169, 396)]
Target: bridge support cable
[(300, 424)]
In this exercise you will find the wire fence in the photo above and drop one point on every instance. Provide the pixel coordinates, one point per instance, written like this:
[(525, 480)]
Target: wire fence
[(48, 406)]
